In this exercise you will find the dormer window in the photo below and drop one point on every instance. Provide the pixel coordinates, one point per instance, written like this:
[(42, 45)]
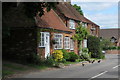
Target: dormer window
[(113, 39), (72, 24), (83, 24)]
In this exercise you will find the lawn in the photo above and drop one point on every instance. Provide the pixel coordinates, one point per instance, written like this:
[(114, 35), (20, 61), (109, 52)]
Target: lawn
[(10, 68)]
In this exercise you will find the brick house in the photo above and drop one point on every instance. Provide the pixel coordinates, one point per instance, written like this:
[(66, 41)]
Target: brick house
[(112, 34), (59, 25)]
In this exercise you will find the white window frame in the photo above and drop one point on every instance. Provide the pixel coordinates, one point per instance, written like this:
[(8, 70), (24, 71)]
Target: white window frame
[(71, 44), (59, 41), (85, 43), (85, 25), (42, 39), (66, 42), (71, 24)]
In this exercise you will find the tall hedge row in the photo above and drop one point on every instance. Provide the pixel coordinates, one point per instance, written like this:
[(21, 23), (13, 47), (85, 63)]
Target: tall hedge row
[(94, 47)]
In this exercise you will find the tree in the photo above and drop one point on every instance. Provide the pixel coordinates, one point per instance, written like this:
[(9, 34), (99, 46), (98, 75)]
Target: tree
[(22, 14), (78, 8), (94, 47), (105, 43), (80, 35), (31, 8)]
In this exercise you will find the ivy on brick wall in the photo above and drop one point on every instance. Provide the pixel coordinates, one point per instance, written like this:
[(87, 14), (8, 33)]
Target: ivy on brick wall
[(81, 34)]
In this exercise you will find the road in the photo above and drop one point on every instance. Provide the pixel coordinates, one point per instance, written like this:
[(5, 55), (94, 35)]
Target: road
[(106, 69)]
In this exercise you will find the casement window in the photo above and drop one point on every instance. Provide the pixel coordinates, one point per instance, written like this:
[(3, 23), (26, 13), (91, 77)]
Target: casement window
[(71, 44), (42, 39), (85, 43), (71, 24), (66, 42), (84, 25), (58, 41)]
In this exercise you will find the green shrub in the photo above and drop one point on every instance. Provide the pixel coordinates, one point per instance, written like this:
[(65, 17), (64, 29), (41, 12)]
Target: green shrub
[(111, 48), (34, 59), (85, 54), (57, 55), (78, 60), (105, 43), (49, 61), (63, 60), (73, 56), (102, 57), (66, 56), (94, 46), (90, 54), (118, 48), (85, 50)]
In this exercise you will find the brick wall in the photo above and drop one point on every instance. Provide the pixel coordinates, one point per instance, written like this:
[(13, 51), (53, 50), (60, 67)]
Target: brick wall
[(113, 51)]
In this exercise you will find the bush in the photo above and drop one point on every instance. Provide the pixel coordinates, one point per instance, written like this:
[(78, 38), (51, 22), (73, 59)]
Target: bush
[(85, 50), (57, 55), (49, 61), (118, 48), (90, 54), (105, 43), (34, 59), (78, 60), (102, 57), (111, 48), (85, 54), (73, 56), (66, 55), (94, 47), (63, 60)]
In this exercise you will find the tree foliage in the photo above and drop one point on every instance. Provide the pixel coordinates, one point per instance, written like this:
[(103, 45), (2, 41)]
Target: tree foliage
[(78, 8), (94, 47), (31, 8), (22, 14), (105, 43), (81, 33)]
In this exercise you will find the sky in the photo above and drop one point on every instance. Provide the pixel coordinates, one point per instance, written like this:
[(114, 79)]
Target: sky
[(105, 14)]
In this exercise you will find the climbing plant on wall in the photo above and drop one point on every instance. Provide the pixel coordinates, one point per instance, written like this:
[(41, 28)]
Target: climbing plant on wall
[(81, 34)]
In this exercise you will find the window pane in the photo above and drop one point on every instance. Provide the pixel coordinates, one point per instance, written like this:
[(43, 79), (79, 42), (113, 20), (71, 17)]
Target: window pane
[(67, 43), (71, 44), (72, 24), (58, 40)]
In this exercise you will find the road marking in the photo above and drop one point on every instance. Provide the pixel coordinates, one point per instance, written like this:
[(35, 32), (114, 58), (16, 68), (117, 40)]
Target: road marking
[(99, 75), (116, 66)]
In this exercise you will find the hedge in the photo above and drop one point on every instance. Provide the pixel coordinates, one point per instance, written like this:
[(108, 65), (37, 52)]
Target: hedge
[(94, 47)]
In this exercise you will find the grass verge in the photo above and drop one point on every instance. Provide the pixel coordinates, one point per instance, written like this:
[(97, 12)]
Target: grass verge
[(68, 62), (10, 68)]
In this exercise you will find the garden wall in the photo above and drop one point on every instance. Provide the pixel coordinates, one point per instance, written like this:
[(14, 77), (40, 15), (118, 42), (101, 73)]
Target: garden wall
[(113, 51)]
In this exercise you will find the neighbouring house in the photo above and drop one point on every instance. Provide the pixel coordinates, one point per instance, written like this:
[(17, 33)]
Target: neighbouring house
[(57, 27), (112, 34)]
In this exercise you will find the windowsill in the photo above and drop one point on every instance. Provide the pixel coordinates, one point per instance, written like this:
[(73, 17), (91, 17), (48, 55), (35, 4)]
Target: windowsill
[(72, 49), (67, 48), (72, 29), (41, 46), (58, 48)]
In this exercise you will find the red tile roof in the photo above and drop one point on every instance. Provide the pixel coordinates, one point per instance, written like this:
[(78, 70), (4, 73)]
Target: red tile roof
[(69, 11), (51, 20)]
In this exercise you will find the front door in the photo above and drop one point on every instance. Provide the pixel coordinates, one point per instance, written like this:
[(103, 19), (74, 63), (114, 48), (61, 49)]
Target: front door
[(47, 44)]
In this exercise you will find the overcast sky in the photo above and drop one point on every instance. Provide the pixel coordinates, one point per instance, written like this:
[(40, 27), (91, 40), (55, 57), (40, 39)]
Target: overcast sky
[(105, 14)]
